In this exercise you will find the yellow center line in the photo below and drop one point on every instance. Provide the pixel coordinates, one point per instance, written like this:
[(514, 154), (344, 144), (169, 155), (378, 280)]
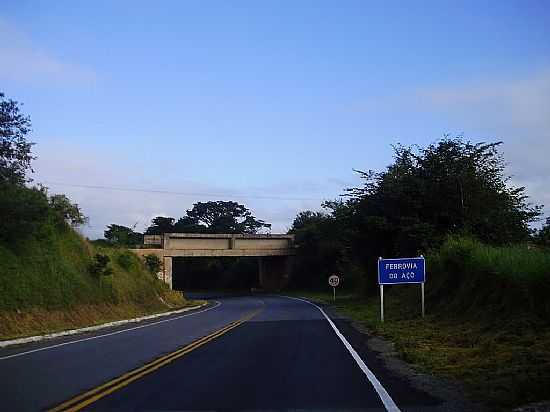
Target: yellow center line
[(81, 401), (133, 372)]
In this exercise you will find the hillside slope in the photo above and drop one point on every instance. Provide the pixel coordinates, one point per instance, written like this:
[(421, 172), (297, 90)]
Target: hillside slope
[(46, 284)]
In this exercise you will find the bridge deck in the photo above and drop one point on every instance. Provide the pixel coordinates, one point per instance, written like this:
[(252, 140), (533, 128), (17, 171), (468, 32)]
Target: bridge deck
[(214, 252), (219, 244)]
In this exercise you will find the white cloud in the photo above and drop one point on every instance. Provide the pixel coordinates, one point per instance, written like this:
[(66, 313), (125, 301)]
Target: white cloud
[(22, 61), (515, 110), (518, 103), (80, 165)]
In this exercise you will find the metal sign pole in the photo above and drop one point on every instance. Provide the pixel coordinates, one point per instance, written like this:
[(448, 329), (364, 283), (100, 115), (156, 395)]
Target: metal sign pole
[(381, 303), (422, 289), (334, 294)]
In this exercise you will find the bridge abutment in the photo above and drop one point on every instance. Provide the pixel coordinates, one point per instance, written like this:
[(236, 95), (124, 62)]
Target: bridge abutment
[(274, 272), (274, 252), (167, 270)]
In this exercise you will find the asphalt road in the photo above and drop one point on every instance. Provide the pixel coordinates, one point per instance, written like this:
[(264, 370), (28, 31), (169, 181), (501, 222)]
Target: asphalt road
[(288, 356)]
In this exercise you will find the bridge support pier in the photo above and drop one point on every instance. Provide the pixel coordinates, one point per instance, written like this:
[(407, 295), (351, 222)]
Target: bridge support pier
[(274, 272), (167, 270)]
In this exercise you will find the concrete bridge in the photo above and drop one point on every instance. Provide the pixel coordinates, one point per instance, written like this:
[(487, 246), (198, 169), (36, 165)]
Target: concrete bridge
[(274, 252)]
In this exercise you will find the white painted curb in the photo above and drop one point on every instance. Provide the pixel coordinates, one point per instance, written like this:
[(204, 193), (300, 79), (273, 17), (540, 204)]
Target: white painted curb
[(39, 338)]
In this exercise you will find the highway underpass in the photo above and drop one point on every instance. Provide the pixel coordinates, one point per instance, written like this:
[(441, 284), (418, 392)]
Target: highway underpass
[(274, 252)]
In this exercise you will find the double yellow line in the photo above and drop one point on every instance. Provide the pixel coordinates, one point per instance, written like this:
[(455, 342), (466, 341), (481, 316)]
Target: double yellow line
[(81, 401)]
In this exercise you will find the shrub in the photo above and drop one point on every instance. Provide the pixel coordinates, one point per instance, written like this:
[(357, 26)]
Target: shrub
[(100, 265), (66, 212), (153, 263), (469, 276), (24, 211), (126, 260)]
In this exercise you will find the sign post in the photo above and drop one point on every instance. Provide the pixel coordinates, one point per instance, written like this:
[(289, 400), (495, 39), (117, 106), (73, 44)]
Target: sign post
[(334, 281), (381, 303), (399, 271), (422, 288)]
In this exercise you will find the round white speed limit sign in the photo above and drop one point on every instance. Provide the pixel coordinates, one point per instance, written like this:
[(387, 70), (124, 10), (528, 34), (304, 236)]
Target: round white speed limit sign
[(334, 281)]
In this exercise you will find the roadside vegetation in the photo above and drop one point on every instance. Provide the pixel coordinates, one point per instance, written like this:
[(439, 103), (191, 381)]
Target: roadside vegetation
[(488, 272), (63, 282), (51, 278), (487, 324)]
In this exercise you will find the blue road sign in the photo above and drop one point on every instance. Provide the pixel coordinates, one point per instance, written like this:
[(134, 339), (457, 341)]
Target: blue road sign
[(402, 270)]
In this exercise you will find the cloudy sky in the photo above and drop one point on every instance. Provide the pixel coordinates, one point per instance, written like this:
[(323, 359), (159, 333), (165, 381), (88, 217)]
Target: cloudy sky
[(268, 103)]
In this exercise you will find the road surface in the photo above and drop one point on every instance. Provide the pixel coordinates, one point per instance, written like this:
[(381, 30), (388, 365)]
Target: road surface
[(256, 353)]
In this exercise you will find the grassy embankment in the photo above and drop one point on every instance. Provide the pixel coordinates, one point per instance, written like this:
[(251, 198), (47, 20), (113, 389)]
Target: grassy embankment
[(46, 285), (487, 323)]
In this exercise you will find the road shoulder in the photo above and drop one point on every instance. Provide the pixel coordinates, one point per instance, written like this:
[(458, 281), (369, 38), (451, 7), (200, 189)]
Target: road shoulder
[(10, 347), (406, 384)]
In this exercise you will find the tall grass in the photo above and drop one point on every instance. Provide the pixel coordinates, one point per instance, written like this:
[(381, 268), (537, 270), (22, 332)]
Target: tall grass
[(469, 276)]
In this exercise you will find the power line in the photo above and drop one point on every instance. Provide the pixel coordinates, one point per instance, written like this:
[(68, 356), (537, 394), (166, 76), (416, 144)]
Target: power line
[(169, 192)]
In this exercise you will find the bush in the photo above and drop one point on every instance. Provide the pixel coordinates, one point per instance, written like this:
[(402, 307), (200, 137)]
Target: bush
[(100, 265), (66, 212), (153, 263), (469, 276), (126, 260), (24, 212)]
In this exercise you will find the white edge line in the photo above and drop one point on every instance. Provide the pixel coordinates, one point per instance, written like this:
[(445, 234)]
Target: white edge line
[(38, 338), (385, 397), (72, 332)]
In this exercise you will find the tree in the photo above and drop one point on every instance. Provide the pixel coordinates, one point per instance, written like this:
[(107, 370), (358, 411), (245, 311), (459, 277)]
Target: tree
[(65, 211), (153, 263), (452, 186), (23, 211), (122, 235), (15, 150), (160, 225), (187, 224), (543, 235), (320, 248), (222, 217), (305, 219), (26, 211), (210, 217)]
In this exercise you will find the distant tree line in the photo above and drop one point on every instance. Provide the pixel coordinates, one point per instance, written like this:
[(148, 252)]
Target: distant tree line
[(203, 217), (210, 217), (450, 187)]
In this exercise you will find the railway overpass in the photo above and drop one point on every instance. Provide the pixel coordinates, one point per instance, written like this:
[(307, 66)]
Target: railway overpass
[(274, 252)]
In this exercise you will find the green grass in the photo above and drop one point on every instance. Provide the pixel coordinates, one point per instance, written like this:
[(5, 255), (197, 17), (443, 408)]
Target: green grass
[(46, 285), (515, 261), (469, 277)]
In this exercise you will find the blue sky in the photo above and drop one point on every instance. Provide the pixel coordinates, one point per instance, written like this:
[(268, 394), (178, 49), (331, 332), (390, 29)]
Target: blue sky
[(243, 100)]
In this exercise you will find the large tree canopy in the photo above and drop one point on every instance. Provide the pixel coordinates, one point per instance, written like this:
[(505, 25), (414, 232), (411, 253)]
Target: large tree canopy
[(210, 217), (450, 187), (160, 225), (26, 211), (122, 235), (225, 217)]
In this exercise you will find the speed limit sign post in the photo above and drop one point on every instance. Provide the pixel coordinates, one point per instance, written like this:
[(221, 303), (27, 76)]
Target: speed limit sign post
[(334, 281)]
